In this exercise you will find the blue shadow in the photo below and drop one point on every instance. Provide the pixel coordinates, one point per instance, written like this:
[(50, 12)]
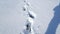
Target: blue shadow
[(54, 22)]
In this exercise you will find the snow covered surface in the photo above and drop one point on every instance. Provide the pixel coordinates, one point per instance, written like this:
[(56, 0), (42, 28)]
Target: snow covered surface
[(13, 18)]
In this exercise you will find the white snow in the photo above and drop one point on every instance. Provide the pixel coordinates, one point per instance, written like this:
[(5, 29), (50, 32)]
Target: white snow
[(13, 19)]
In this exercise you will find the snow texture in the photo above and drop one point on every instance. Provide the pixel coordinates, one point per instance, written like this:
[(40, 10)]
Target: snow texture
[(13, 18)]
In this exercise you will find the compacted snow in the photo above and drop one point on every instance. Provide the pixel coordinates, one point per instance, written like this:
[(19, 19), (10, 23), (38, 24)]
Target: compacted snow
[(13, 18)]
